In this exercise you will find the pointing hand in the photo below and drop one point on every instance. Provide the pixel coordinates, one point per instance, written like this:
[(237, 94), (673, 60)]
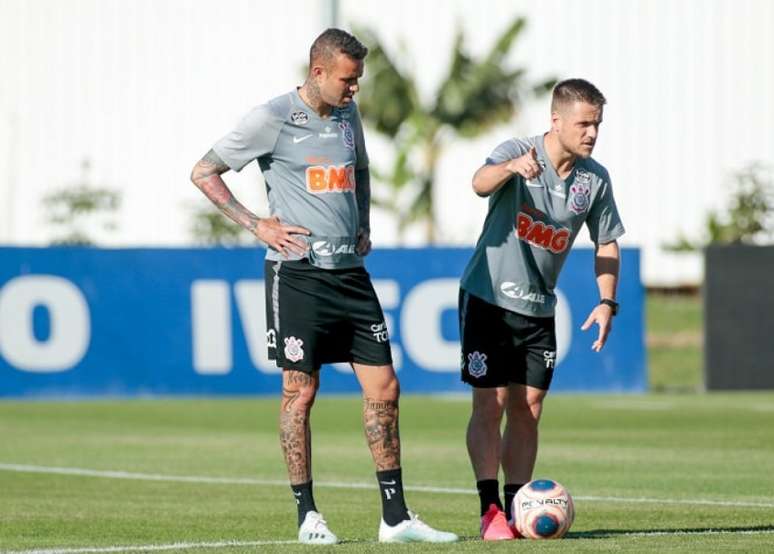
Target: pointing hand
[(527, 165)]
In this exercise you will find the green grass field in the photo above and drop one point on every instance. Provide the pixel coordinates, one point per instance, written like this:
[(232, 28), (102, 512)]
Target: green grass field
[(669, 472), (674, 330), (648, 472)]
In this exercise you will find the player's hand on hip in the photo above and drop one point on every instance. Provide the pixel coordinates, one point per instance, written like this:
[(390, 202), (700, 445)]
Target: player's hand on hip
[(602, 315), (527, 165), (363, 247), (282, 238)]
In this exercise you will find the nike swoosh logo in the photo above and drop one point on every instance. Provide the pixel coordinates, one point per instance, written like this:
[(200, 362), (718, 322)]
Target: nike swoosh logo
[(388, 482), (297, 493), (296, 140)]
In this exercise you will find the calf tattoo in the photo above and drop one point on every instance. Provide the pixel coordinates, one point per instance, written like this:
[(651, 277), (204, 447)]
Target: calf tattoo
[(295, 433), (295, 439), (380, 418)]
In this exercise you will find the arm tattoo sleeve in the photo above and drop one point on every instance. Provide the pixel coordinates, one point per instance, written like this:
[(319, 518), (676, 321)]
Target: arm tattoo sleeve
[(213, 160), (207, 176), (363, 195)]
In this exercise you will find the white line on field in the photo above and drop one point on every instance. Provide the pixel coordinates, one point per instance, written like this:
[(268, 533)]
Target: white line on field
[(692, 532), (149, 547), (81, 472), (693, 501), (230, 544)]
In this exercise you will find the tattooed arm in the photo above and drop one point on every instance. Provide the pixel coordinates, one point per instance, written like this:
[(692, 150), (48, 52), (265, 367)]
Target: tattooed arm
[(363, 197), (206, 175)]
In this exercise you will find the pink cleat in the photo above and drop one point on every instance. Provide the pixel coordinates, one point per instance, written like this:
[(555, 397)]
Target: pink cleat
[(512, 525), (494, 527)]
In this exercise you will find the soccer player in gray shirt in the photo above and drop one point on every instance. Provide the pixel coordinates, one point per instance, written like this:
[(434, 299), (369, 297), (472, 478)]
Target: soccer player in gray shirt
[(541, 191), (321, 306)]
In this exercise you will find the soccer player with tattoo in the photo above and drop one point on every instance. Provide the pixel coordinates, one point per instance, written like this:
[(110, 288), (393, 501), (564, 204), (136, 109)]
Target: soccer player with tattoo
[(320, 304), (541, 190)]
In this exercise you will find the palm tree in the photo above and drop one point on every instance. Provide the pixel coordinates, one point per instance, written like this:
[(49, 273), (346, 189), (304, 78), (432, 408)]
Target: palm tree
[(475, 96)]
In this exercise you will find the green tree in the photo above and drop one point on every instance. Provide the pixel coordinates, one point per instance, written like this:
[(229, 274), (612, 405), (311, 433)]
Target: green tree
[(80, 210), (749, 219), (475, 95), (211, 228)]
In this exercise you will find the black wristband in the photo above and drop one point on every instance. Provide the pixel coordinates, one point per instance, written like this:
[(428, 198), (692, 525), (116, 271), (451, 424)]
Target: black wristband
[(612, 303)]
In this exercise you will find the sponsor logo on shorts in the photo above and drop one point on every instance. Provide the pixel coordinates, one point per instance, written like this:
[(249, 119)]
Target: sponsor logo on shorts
[(326, 248), (580, 193), (293, 350), (550, 359), (328, 134), (321, 179), (477, 364), (380, 333), (512, 290), (347, 135), (271, 338), (299, 117), (537, 233)]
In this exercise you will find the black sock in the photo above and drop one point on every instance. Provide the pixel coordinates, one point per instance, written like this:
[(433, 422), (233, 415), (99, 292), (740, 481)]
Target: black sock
[(510, 491), (393, 505), (304, 500), (489, 493)]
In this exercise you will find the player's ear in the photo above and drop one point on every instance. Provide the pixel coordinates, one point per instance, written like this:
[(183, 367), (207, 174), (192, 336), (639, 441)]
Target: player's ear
[(556, 118)]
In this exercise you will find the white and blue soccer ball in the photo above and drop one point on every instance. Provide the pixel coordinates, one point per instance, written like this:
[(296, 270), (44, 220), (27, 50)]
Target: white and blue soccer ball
[(543, 509)]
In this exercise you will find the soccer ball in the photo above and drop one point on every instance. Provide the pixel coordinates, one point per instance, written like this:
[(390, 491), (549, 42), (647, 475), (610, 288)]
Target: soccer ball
[(543, 509)]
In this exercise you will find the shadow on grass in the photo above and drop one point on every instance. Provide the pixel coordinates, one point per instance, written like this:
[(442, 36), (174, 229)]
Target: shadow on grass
[(462, 538), (611, 533)]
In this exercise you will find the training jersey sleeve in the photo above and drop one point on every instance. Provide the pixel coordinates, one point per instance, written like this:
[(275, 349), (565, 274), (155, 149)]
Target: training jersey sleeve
[(506, 151), (254, 136), (360, 147), (603, 222)]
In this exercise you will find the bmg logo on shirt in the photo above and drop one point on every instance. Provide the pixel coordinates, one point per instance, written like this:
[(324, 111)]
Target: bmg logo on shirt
[(537, 233), (331, 178)]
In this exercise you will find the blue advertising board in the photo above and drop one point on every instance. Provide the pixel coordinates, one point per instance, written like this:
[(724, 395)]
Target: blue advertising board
[(92, 322)]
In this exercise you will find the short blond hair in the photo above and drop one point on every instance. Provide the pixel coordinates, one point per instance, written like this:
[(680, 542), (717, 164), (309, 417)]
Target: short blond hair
[(576, 90)]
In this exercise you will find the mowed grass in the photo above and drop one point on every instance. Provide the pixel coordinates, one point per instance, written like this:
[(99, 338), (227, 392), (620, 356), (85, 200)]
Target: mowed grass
[(674, 337), (650, 472)]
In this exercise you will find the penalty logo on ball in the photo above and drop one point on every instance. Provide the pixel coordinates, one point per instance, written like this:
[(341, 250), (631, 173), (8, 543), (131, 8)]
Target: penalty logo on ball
[(543, 509)]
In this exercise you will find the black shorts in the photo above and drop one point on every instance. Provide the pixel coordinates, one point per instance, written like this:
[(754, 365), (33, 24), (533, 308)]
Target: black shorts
[(318, 316), (501, 347)]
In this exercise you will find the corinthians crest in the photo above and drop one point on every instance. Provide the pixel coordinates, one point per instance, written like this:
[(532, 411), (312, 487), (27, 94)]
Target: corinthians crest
[(477, 364), (580, 193), (293, 350)]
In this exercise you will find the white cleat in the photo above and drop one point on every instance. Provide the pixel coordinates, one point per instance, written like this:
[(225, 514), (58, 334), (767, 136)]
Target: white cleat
[(314, 530), (413, 530)]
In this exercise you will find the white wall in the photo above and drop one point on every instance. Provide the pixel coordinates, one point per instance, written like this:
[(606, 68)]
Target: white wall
[(143, 89)]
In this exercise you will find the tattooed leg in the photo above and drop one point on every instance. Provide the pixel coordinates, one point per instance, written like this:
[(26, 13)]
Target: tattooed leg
[(380, 414), (380, 418), (298, 393)]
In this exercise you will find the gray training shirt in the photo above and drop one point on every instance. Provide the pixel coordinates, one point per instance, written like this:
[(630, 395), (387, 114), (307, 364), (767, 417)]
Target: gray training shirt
[(531, 226), (309, 166)]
